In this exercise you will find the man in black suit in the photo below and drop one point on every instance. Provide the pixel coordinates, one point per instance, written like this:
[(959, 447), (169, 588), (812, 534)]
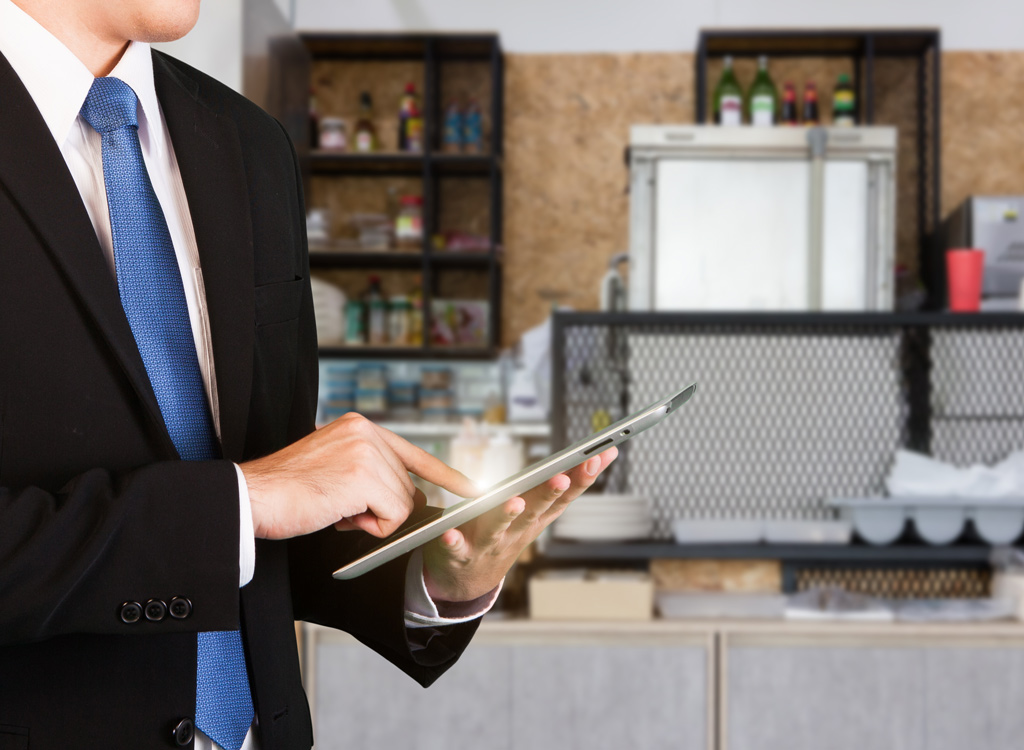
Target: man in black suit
[(116, 556)]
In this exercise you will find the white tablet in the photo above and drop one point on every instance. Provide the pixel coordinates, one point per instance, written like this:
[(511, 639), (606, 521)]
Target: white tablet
[(409, 538)]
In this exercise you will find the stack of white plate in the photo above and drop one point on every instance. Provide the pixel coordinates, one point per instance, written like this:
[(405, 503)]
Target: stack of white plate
[(605, 518), (329, 308)]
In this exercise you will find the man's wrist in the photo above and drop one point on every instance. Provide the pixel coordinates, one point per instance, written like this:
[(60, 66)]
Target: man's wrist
[(421, 610)]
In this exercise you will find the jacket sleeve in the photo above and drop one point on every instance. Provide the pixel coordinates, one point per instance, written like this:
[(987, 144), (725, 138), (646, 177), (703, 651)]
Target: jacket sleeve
[(69, 560), (370, 607)]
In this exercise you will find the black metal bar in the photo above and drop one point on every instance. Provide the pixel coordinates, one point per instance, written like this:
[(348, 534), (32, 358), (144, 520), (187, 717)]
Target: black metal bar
[(869, 79), (936, 137), (921, 141), (497, 188), (917, 366), (858, 60), (814, 42), (431, 195), (559, 322), (431, 99), (363, 46), (495, 269), (365, 165), (781, 54), (445, 259), (320, 259), (497, 100), (472, 164), (412, 352), (784, 319), (789, 553)]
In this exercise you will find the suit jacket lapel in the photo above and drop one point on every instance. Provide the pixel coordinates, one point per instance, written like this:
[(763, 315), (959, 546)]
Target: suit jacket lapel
[(36, 176), (209, 157)]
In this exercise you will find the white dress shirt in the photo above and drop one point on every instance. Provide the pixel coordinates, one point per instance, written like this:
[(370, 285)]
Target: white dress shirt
[(59, 82)]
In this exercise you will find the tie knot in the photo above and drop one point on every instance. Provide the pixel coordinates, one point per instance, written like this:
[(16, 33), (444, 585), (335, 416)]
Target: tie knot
[(111, 104)]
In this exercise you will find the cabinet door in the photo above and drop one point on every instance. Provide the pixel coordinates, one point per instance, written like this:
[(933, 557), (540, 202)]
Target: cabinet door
[(974, 698), (362, 702), (813, 697), (609, 697)]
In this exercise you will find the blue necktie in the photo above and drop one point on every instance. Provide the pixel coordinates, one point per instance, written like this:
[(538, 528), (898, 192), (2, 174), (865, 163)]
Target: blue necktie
[(149, 282)]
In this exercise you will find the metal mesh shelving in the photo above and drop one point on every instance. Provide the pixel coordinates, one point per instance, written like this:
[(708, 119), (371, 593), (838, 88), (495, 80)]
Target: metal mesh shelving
[(790, 409)]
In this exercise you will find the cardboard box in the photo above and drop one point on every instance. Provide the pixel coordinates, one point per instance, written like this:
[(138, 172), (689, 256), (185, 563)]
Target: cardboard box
[(591, 595)]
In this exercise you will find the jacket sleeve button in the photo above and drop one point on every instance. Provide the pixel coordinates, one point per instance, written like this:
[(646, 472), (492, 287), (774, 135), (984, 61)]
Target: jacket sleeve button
[(184, 732), (131, 612), (155, 610), (180, 608)]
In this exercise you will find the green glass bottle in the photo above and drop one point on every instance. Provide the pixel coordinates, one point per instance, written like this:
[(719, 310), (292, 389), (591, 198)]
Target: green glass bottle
[(763, 100), (728, 97), (844, 103)]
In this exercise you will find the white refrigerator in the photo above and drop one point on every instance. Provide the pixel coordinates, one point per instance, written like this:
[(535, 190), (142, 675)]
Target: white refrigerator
[(745, 218)]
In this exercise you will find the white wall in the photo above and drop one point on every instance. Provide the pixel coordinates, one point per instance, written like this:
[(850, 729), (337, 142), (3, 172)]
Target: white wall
[(215, 44), (661, 25)]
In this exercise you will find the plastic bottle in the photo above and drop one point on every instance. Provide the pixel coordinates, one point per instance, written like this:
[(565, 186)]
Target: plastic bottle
[(355, 319), (728, 97), (844, 103), (452, 136), (473, 129), (764, 97)]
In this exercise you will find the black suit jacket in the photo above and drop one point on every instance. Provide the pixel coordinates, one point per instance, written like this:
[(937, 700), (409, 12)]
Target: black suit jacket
[(96, 509)]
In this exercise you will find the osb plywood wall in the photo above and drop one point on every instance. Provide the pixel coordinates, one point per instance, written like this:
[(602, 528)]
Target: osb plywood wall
[(982, 125), (567, 121)]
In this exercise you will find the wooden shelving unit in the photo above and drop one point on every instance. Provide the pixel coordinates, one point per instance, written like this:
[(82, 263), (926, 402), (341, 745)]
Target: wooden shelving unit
[(442, 176)]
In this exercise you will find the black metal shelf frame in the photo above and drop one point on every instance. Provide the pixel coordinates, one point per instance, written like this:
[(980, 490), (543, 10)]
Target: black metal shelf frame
[(928, 357), (400, 260), (434, 50), (864, 47), (814, 553)]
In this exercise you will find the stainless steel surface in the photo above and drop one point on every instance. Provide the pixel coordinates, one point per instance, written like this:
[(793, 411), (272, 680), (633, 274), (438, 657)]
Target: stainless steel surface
[(995, 224)]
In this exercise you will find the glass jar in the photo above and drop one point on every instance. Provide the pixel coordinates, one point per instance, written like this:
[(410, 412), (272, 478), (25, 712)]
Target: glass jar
[(409, 223), (333, 135)]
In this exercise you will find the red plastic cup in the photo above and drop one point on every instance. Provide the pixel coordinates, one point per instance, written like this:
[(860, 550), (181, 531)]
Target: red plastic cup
[(964, 269)]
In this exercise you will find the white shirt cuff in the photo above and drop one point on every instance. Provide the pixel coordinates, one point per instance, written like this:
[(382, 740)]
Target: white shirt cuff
[(421, 611), (246, 534)]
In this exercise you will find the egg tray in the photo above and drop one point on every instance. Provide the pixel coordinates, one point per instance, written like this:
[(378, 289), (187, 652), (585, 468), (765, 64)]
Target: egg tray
[(937, 520)]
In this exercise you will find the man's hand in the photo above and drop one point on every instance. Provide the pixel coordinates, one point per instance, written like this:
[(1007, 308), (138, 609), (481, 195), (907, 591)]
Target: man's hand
[(465, 563), (351, 473)]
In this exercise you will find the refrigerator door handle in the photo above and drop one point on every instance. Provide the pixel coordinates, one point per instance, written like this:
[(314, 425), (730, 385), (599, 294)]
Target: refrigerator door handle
[(817, 140)]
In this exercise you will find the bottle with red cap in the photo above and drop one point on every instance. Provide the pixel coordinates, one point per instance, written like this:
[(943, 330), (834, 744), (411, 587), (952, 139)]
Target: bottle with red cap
[(811, 116), (789, 115), (410, 121)]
